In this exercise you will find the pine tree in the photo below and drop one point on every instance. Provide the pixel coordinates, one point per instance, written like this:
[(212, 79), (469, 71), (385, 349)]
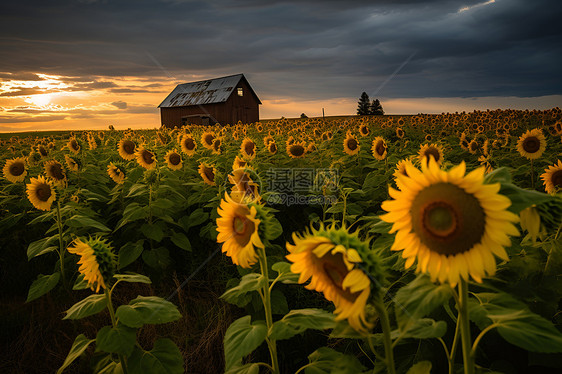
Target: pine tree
[(363, 104), (376, 108)]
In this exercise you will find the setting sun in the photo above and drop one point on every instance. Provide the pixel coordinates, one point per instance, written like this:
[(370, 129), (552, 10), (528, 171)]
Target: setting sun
[(40, 100)]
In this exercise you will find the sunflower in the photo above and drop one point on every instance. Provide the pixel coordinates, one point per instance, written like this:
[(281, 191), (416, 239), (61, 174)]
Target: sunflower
[(428, 137), (239, 163), (115, 173), (55, 171), (245, 190), (268, 139), (71, 163), (217, 146), (14, 170), (328, 257), (350, 145), (450, 222), (531, 144), (41, 193), (97, 261), (364, 130), (145, 158), (207, 139), (379, 148), (188, 144), (42, 150), (327, 135), (126, 149), (73, 145), (311, 147), (173, 160), (238, 231), (248, 149), (399, 132), (92, 142), (296, 150), (272, 148), (401, 168), (207, 172), (552, 178), (473, 146), (433, 150)]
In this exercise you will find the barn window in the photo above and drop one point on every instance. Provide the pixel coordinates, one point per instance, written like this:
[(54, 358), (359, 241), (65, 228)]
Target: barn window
[(240, 91)]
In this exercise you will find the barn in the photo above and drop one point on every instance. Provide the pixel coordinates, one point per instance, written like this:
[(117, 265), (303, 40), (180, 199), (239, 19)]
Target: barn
[(224, 100)]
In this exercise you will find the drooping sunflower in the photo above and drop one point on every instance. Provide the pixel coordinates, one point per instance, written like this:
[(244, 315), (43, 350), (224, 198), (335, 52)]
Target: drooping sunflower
[(71, 163), (296, 150), (173, 160), (450, 222), (329, 258), (350, 145), (531, 144), (244, 190), (73, 145), (188, 145), (15, 170), (552, 178), (115, 173), (41, 193), (430, 151), (238, 231), (126, 149), (379, 148), (97, 261), (42, 150), (55, 171), (145, 158), (207, 139), (208, 173), (248, 149)]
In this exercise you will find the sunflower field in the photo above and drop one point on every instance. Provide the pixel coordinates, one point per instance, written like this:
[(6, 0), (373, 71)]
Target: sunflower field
[(368, 244)]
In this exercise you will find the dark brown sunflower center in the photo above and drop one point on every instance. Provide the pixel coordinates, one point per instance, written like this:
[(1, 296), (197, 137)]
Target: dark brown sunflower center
[(147, 157), (174, 159), (531, 144), (209, 173), (17, 168), (297, 150), (447, 219), (74, 144), (189, 144), (380, 148), (217, 144), (473, 146), (129, 147), (56, 172), (432, 151), (364, 130), (400, 133), (239, 225), (336, 271), (209, 139), (352, 144), (272, 147), (249, 148), (556, 178), (43, 192), (42, 151)]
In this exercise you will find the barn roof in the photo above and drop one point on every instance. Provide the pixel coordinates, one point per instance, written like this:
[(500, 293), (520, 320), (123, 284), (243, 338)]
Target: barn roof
[(210, 91)]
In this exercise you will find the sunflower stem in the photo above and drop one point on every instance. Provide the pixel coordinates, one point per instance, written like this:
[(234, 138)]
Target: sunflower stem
[(468, 360), (267, 307), (385, 325), (61, 245), (114, 324), (453, 352)]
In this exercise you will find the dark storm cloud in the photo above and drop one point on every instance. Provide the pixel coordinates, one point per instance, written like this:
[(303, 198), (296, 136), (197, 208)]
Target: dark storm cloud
[(301, 49)]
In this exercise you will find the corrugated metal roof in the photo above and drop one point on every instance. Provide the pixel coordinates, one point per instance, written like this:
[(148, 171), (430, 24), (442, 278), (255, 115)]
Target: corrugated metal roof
[(203, 92)]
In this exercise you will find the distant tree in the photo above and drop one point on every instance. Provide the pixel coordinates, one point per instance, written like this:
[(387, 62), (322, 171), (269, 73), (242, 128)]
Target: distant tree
[(376, 108), (303, 115), (363, 104)]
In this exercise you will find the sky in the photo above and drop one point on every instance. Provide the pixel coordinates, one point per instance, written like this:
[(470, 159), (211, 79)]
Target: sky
[(86, 64)]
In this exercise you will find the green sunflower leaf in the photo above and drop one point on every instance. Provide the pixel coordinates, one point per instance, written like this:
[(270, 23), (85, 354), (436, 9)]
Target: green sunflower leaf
[(42, 285), (326, 360), (147, 310), (242, 337), (91, 305), (120, 339), (80, 344), (164, 358)]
